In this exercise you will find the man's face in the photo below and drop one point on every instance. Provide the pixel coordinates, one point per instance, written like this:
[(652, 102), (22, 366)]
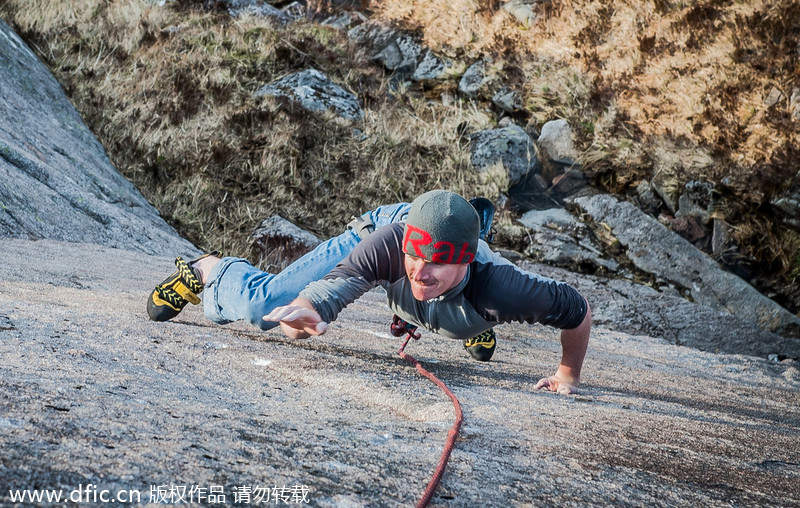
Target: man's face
[(429, 280)]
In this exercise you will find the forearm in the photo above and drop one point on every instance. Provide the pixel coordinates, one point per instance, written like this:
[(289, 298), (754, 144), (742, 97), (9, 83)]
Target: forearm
[(330, 295), (574, 343)]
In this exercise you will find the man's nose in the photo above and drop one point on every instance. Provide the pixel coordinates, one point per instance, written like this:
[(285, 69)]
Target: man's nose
[(420, 269)]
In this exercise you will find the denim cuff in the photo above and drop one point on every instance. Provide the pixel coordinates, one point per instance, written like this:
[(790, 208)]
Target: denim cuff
[(214, 285)]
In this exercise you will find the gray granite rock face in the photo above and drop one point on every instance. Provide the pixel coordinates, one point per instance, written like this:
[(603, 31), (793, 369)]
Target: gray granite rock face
[(657, 250), (315, 92), (98, 394), (56, 180)]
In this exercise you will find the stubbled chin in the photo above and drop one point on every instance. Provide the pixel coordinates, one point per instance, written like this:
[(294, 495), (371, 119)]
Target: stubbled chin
[(423, 293)]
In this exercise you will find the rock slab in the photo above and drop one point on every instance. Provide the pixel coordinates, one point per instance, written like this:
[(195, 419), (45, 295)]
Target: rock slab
[(56, 180), (658, 251), (92, 392)]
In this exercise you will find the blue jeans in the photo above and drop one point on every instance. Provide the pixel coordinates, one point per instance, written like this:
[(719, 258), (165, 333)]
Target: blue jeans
[(237, 290)]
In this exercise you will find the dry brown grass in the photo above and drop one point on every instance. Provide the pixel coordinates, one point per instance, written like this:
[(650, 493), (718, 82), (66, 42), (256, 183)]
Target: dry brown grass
[(696, 71), (657, 90)]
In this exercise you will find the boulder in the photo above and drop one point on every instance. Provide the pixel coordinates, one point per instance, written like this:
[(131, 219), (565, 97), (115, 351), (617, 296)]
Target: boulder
[(557, 140), (557, 238), (394, 49), (237, 8), (401, 53), (507, 100), (473, 79), (56, 180), (373, 35), (431, 67), (276, 243), (510, 146), (315, 92), (654, 249)]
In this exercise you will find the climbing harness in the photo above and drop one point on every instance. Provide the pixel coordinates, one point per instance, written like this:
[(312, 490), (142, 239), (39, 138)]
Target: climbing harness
[(451, 436), (362, 226)]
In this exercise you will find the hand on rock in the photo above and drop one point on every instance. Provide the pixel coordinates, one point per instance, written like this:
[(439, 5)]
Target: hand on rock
[(558, 385), (296, 318)]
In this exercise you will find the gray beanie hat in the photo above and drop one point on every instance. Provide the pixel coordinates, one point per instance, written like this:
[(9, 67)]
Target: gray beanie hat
[(442, 227)]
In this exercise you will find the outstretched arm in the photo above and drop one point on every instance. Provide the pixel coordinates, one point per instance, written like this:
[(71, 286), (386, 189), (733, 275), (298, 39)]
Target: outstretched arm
[(298, 320), (574, 343)]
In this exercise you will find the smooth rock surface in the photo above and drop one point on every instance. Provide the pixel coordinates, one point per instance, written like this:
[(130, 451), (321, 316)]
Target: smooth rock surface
[(91, 392), (56, 180)]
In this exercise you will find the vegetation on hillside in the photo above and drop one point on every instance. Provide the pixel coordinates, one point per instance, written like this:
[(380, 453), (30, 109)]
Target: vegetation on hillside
[(658, 91), (169, 92)]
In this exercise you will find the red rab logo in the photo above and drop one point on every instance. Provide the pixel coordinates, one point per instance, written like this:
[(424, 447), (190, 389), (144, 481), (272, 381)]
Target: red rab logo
[(444, 251), (422, 238)]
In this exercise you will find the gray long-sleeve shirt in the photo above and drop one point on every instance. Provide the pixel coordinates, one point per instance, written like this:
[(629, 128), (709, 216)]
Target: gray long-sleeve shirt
[(493, 291)]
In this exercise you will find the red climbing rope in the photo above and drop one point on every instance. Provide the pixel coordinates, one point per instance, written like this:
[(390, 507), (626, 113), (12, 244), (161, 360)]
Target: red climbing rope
[(451, 436)]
